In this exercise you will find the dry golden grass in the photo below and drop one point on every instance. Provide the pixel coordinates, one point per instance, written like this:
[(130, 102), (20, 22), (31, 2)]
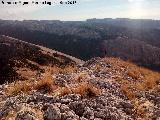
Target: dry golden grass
[(26, 73), (148, 82), (18, 86), (84, 89), (81, 77), (29, 85), (40, 83), (80, 86), (141, 109), (46, 83), (12, 114), (98, 68), (64, 70), (143, 78), (125, 89), (135, 74)]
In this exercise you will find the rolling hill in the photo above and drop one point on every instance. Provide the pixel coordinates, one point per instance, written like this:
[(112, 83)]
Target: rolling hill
[(22, 60), (140, 52), (84, 39), (38, 83), (100, 89)]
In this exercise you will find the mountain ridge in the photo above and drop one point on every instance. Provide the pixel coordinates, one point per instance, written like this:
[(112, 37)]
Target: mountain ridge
[(52, 86), (134, 50), (104, 89), (84, 40), (17, 55)]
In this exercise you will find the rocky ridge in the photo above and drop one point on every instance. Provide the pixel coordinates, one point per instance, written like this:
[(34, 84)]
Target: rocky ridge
[(110, 103)]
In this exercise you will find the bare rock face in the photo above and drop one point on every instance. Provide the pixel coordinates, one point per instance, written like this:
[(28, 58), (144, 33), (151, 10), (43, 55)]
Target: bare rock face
[(77, 107), (25, 115), (52, 113), (88, 113)]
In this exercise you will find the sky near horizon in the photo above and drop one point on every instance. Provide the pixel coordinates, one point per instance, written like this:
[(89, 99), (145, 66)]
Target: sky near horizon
[(82, 10)]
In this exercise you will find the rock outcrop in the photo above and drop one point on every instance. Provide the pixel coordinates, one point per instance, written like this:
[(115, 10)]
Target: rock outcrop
[(112, 103)]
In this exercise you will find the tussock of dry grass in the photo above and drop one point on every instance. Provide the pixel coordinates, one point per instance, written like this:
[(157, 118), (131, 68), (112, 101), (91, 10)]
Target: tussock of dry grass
[(84, 89), (29, 85), (81, 77), (149, 81), (143, 78), (46, 82), (64, 70), (141, 109), (12, 114), (79, 87), (19, 86), (125, 89)]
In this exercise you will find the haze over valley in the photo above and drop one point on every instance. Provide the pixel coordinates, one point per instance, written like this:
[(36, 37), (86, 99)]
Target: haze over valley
[(93, 37), (91, 60)]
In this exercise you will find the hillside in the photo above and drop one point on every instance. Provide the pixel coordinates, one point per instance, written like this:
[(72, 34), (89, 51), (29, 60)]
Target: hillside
[(99, 89), (133, 50), (84, 39), (22, 60), (38, 83)]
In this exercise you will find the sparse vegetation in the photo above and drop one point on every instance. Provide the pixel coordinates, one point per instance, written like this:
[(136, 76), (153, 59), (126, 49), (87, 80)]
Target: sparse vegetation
[(47, 84), (84, 89), (107, 83), (25, 109), (130, 94), (62, 70), (142, 79), (19, 55), (81, 77), (58, 76), (27, 86)]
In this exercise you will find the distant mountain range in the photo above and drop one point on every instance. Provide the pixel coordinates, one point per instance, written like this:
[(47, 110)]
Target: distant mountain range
[(137, 40), (38, 83)]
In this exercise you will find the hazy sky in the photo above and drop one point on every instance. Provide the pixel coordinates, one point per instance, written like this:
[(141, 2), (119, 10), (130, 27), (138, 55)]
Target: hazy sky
[(84, 9)]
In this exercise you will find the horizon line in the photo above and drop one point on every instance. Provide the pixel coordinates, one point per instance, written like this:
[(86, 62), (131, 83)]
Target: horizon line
[(80, 20)]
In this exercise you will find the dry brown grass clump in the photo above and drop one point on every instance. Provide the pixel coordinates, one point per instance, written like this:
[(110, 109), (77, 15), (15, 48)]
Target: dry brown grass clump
[(19, 86), (143, 78), (141, 109), (46, 82), (81, 77), (28, 85), (62, 70), (84, 89), (127, 91)]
